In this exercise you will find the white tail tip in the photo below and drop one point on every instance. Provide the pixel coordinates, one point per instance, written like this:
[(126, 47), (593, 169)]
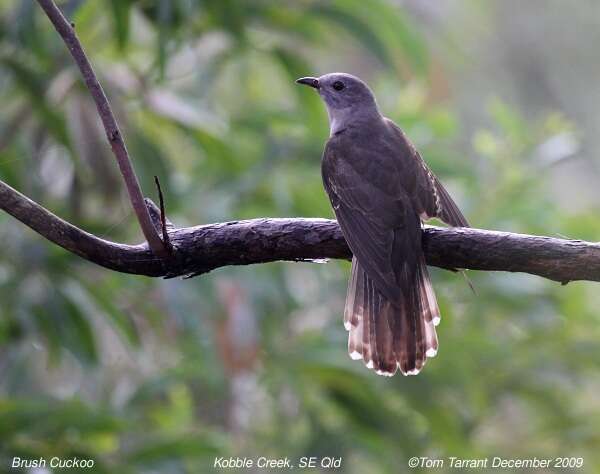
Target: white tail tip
[(431, 352), (355, 355), (412, 372)]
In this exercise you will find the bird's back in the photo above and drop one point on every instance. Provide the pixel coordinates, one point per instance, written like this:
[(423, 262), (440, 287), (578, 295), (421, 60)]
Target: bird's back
[(381, 154), (380, 189)]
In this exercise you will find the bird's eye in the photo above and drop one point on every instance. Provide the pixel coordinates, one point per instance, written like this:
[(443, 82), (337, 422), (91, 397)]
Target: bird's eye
[(338, 85)]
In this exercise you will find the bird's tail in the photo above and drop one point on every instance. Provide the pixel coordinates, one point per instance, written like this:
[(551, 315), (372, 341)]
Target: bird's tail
[(391, 335)]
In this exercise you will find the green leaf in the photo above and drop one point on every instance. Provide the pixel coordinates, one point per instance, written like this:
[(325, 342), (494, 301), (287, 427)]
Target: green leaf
[(104, 297), (390, 39), (77, 334), (34, 84), (121, 10), (64, 326), (170, 448), (48, 418)]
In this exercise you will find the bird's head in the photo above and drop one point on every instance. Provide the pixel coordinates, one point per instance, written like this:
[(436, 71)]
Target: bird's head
[(345, 96)]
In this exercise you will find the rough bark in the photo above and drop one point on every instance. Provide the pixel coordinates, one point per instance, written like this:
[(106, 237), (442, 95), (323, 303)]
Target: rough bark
[(203, 248)]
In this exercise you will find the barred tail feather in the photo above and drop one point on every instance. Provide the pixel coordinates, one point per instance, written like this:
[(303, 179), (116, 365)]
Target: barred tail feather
[(391, 335)]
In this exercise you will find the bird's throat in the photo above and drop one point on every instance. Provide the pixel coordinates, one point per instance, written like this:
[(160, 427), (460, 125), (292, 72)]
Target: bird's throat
[(342, 118)]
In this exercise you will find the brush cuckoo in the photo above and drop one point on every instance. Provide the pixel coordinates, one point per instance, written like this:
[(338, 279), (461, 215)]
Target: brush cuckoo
[(381, 191)]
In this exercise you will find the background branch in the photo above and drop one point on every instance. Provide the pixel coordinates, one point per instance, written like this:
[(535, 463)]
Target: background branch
[(203, 248), (66, 30)]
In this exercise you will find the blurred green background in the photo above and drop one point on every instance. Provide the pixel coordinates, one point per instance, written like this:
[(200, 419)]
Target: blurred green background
[(150, 376)]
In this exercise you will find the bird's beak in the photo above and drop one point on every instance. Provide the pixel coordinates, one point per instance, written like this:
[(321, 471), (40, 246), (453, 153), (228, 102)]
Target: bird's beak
[(309, 81)]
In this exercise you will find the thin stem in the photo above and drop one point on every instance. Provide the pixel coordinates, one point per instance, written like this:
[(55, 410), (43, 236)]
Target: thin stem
[(66, 30), (163, 217)]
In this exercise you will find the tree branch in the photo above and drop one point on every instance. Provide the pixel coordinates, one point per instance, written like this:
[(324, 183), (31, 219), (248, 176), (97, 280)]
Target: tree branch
[(67, 32), (200, 249)]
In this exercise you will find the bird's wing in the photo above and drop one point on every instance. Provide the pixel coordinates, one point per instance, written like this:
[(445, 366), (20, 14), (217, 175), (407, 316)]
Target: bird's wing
[(375, 213), (391, 309), (429, 195), (379, 186)]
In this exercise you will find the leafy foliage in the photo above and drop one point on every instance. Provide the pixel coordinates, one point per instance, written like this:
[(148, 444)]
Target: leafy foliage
[(162, 376)]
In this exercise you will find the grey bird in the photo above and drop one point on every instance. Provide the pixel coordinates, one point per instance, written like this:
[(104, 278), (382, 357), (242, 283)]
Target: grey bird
[(381, 190)]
